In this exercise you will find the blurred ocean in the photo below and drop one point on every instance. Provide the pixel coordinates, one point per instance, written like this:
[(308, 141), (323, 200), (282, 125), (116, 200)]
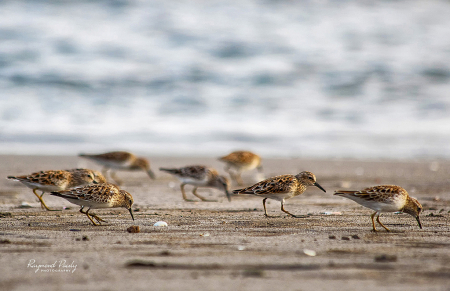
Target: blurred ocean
[(357, 79)]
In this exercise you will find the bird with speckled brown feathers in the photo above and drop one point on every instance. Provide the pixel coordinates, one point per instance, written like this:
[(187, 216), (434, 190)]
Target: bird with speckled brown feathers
[(281, 188), (48, 181), (384, 198), (199, 176), (240, 161), (120, 161), (97, 196)]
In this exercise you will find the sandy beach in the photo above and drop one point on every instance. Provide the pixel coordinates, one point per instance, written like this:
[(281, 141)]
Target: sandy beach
[(228, 245)]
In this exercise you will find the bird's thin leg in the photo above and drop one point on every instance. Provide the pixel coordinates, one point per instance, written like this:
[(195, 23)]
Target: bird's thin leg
[(378, 220), (43, 205), (184, 193), (117, 180), (87, 214), (373, 222), (265, 210), (232, 174), (285, 211), (194, 191), (92, 215), (239, 178)]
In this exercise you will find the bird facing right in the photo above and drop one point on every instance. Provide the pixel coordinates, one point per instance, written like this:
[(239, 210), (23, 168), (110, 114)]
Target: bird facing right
[(97, 196), (47, 181), (281, 188), (120, 161), (241, 161), (385, 198)]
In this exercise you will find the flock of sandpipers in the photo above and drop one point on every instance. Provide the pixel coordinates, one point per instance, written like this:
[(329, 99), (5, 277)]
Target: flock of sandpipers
[(89, 189)]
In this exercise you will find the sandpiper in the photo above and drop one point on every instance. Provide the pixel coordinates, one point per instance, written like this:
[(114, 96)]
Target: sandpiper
[(120, 161), (384, 198), (281, 188), (199, 176), (240, 161), (48, 181), (97, 196)]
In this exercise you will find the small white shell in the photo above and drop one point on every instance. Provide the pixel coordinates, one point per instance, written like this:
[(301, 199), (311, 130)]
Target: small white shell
[(160, 223), (25, 205), (310, 253)]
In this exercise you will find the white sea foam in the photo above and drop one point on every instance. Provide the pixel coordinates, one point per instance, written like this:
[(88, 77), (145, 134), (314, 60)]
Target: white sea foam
[(314, 78)]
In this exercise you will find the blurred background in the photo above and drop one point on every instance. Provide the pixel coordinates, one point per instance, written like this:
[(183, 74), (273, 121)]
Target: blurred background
[(323, 79)]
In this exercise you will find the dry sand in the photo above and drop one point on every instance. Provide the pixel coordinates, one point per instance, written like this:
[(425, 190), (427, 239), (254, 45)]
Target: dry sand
[(229, 246)]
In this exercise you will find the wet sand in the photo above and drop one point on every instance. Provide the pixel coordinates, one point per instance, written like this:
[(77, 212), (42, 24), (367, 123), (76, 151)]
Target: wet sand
[(228, 246)]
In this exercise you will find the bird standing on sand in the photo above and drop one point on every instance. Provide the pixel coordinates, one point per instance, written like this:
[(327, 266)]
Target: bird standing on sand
[(97, 196), (199, 176), (241, 161), (120, 161), (48, 181), (384, 198), (281, 188)]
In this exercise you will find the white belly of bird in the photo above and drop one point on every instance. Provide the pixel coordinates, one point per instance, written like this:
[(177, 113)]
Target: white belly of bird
[(278, 197), (117, 165), (392, 206), (46, 188), (90, 204), (248, 167), (191, 181)]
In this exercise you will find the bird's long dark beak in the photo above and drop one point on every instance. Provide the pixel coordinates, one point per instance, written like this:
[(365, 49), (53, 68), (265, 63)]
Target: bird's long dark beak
[(418, 221), (131, 212), (320, 187), (228, 195)]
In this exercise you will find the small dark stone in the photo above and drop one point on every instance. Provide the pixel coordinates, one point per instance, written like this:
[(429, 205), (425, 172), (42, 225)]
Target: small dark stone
[(78, 239), (133, 229), (345, 238), (85, 238), (355, 236), (164, 253), (332, 237), (73, 229)]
